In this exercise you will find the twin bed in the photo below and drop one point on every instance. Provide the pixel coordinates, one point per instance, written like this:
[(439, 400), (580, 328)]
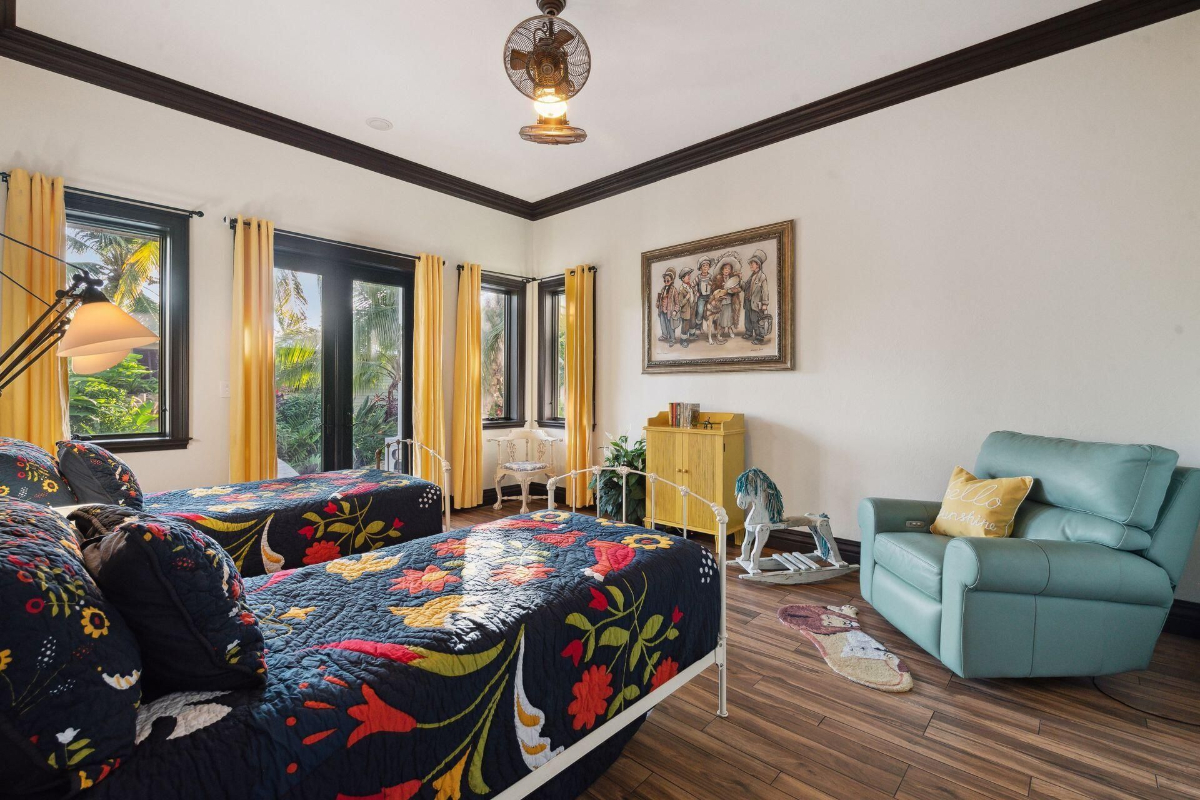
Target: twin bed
[(507, 659)]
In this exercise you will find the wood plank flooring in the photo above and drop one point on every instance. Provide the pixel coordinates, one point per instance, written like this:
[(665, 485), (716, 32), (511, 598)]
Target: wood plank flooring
[(796, 730)]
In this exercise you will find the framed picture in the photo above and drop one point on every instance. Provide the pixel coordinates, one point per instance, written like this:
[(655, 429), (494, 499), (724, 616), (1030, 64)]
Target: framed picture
[(722, 304)]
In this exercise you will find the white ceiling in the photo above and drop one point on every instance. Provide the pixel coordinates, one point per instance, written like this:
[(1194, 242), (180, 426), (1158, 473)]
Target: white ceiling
[(666, 73)]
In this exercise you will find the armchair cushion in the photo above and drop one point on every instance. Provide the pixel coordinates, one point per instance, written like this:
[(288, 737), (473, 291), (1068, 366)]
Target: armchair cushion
[(914, 557), (1076, 570), (1125, 483)]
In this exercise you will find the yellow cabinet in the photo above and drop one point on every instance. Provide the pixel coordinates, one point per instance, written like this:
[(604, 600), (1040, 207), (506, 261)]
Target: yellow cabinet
[(705, 460)]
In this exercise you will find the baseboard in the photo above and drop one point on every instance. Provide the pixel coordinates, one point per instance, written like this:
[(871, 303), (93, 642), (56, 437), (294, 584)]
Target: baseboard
[(1184, 619)]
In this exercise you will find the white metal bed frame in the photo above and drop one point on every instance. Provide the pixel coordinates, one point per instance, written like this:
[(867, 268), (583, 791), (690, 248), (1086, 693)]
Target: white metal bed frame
[(391, 449), (554, 766)]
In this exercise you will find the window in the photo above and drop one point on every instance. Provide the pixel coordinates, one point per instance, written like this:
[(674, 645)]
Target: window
[(502, 329), (552, 353), (140, 403), (343, 353)]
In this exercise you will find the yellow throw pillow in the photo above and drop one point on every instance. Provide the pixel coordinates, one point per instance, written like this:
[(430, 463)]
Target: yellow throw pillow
[(975, 507)]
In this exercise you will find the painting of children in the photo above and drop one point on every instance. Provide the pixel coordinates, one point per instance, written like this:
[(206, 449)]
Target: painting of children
[(720, 304)]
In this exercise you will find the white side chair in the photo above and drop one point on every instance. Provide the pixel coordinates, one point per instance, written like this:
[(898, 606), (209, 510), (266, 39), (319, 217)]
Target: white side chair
[(523, 454)]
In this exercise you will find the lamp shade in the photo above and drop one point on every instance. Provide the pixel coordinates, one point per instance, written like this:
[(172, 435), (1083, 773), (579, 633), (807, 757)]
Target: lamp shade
[(100, 327), (90, 365)]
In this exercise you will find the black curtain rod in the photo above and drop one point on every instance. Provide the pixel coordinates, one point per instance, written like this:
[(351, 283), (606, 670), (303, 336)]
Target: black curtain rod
[(233, 226), (133, 200), (521, 278)]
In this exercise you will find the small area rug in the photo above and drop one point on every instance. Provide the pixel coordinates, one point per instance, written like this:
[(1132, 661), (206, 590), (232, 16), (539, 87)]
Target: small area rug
[(846, 649)]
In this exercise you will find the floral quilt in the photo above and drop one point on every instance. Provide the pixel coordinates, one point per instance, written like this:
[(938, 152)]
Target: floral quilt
[(445, 668), (284, 523)]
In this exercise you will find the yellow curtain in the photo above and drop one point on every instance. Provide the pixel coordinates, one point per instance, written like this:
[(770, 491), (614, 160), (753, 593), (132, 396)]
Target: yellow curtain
[(429, 411), (466, 426), (34, 406), (252, 386), (581, 354)]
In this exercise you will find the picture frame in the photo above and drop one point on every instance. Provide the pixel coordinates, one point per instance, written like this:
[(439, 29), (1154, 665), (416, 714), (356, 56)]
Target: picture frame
[(718, 312)]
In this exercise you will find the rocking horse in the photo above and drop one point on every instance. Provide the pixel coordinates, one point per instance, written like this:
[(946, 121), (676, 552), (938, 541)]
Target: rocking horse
[(758, 495)]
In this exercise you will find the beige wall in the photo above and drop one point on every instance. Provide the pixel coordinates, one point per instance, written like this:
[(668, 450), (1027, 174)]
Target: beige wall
[(104, 141), (1018, 252)]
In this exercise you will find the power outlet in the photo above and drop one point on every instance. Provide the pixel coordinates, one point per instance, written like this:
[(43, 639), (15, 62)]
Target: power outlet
[(225, 390)]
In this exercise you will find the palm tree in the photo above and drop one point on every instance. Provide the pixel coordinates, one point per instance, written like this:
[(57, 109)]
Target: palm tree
[(128, 265), (493, 310)]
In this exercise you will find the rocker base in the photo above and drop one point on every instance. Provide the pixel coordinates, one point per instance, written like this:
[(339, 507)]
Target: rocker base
[(790, 568)]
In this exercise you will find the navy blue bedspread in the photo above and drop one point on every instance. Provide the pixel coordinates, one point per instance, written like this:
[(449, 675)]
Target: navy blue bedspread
[(283, 523), (442, 668)]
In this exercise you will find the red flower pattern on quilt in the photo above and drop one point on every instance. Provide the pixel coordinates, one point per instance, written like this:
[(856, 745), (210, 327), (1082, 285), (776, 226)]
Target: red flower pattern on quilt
[(591, 696)]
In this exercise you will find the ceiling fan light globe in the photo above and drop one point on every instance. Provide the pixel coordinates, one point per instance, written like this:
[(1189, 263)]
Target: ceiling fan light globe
[(551, 109)]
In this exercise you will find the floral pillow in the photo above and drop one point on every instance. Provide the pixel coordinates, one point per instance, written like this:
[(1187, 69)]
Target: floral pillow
[(97, 476), (27, 472), (100, 520), (184, 599), (69, 665)]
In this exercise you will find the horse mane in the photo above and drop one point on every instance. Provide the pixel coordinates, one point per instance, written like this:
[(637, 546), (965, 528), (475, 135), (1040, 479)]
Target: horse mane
[(754, 480)]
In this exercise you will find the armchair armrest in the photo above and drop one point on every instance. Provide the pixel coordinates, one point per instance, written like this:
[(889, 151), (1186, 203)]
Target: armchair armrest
[(1079, 570), (883, 515)]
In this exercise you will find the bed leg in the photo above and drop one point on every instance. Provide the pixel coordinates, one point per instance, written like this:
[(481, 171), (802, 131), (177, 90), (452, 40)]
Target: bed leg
[(722, 639)]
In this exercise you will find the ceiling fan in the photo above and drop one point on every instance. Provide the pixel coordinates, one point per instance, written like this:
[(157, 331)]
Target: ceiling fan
[(547, 59)]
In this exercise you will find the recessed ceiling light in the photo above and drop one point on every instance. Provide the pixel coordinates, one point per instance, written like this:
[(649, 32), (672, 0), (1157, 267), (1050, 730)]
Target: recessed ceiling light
[(379, 124)]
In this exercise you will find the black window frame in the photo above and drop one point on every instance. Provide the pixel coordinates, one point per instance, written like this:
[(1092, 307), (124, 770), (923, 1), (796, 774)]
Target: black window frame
[(174, 326), (514, 349), (339, 266), (548, 290)]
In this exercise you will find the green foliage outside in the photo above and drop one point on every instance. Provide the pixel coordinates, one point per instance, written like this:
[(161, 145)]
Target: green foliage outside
[(124, 398), (299, 405)]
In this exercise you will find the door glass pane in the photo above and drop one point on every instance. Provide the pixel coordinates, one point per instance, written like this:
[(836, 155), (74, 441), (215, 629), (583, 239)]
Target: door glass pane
[(560, 377), (124, 397), (298, 400), (378, 368), (493, 325)]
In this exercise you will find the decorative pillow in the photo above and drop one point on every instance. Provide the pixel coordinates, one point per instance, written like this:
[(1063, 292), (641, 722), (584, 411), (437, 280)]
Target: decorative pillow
[(974, 507), (101, 520), (27, 472), (97, 476), (69, 665), (184, 599)]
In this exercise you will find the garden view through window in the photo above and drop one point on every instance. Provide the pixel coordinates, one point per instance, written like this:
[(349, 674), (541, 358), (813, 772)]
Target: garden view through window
[(342, 352), (493, 309), (560, 355), (125, 398), (299, 404)]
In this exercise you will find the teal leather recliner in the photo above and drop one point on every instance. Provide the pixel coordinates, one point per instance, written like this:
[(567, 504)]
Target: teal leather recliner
[(1082, 587)]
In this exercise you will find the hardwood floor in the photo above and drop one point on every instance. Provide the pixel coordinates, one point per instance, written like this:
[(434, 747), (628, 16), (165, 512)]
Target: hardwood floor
[(796, 730)]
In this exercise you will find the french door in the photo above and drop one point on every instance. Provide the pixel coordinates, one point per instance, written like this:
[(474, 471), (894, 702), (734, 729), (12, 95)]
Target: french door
[(343, 353)]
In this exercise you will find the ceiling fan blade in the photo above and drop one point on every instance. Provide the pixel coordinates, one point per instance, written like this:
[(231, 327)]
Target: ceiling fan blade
[(562, 38), (517, 59)]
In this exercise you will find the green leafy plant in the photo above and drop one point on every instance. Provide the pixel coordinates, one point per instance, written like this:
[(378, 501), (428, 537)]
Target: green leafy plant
[(620, 453)]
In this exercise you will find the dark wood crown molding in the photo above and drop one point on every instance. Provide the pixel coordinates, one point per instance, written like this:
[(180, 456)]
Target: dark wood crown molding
[(1077, 28), (74, 62), (1085, 25)]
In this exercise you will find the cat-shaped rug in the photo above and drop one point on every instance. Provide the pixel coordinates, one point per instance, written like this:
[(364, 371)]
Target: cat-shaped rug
[(846, 649)]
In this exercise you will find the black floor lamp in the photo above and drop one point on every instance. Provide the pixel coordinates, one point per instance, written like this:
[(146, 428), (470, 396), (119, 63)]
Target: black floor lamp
[(97, 337)]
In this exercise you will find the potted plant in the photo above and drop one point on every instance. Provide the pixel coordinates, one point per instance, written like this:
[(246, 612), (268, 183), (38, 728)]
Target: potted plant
[(620, 453)]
